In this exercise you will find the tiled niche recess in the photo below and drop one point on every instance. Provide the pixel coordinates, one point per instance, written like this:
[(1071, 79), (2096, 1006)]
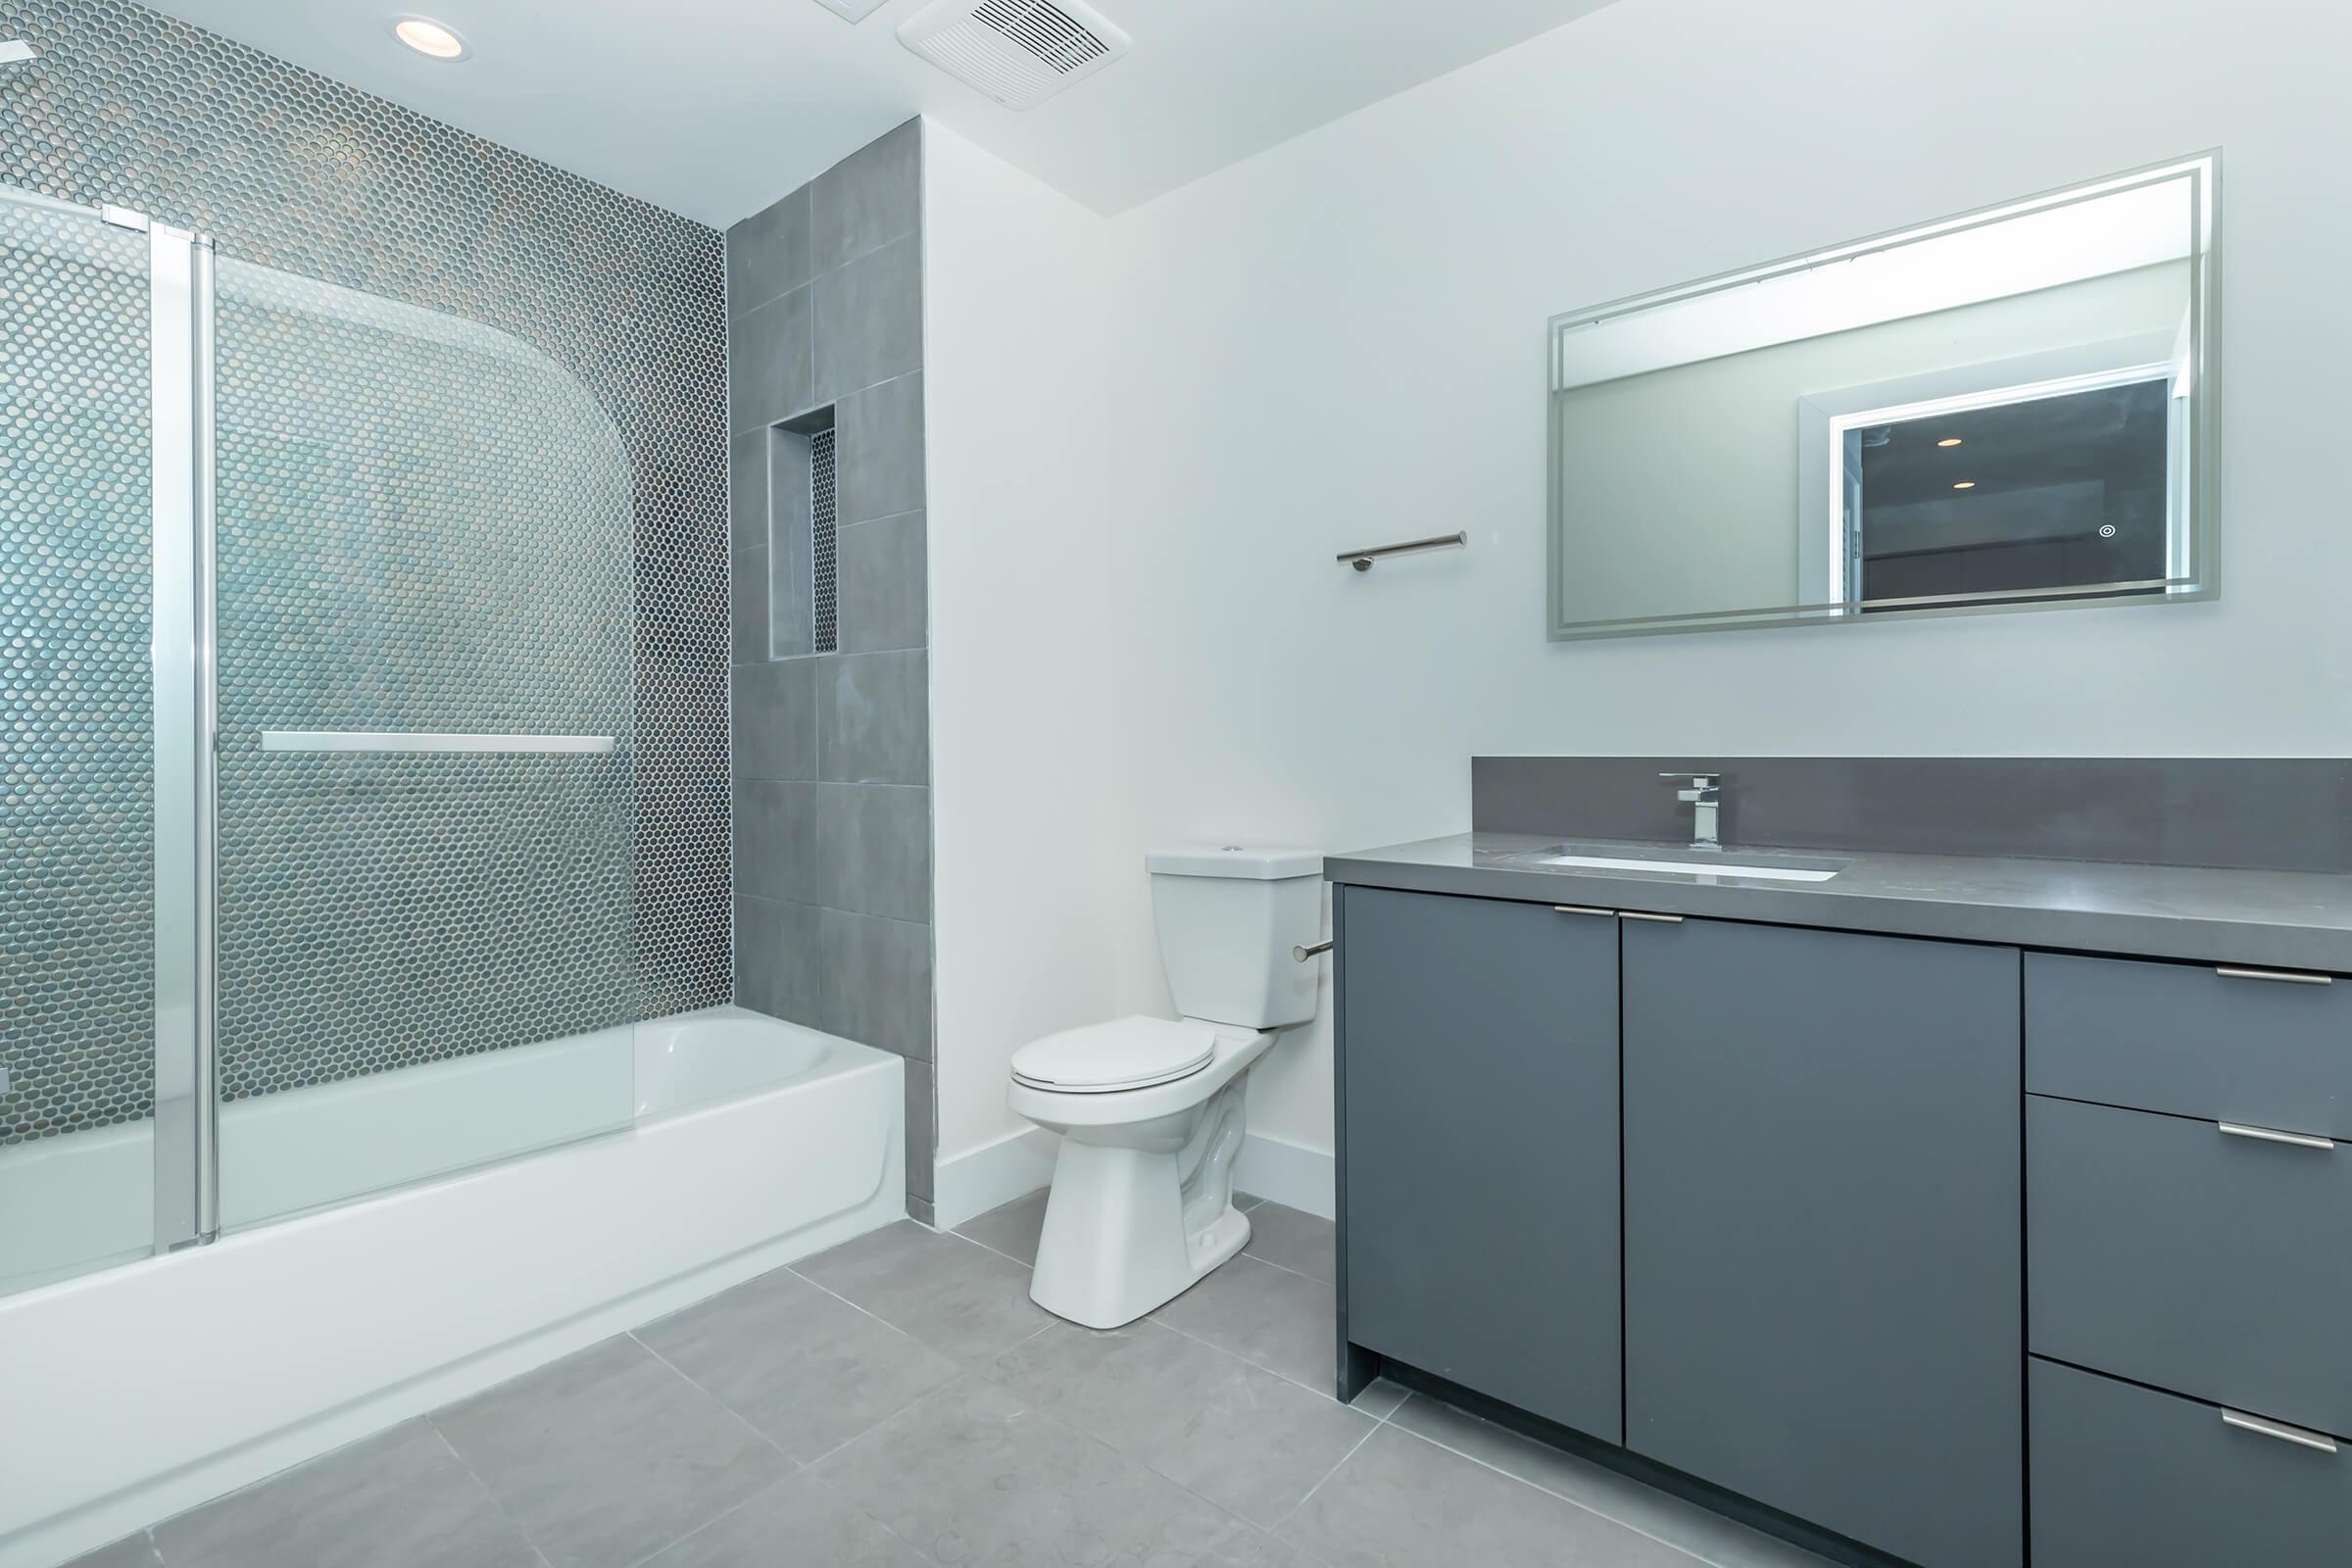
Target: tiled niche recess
[(831, 746)]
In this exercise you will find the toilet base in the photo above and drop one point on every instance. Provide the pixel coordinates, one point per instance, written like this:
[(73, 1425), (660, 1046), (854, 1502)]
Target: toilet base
[(1129, 1229)]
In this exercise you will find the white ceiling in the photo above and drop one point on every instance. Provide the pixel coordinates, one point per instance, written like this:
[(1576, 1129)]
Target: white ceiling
[(715, 108)]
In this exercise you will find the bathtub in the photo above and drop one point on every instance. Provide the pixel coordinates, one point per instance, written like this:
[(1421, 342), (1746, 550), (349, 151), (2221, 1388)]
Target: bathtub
[(673, 1160)]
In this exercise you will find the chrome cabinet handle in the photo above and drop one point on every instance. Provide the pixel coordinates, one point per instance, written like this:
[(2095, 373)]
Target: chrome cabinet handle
[(2272, 1135), (1300, 955), (1581, 909), (1640, 914), (2287, 977), (2279, 1430)]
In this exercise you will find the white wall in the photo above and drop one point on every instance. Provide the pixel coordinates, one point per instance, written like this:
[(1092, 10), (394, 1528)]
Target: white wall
[(1340, 342), (1015, 291)]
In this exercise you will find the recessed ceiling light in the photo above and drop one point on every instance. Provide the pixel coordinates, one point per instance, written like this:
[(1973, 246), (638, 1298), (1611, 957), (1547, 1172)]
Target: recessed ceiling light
[(432, 39), (1966, 484), (1949, 441)]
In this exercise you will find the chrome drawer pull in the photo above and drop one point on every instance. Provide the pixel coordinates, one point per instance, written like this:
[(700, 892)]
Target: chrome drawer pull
[(2285, 977), (1579, 909), (2272, 1135), (2274, 1429), (1637, 915)]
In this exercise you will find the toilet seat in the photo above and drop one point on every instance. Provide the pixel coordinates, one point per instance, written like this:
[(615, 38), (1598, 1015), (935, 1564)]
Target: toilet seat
[(1104, 1059)]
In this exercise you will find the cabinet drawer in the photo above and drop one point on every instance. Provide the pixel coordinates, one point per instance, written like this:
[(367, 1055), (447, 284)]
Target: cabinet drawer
[(2190, 1040), (2169, 1252), (2128, 1478)]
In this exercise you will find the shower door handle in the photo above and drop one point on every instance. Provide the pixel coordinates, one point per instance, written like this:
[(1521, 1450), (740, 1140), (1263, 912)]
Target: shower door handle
[(426, 740)]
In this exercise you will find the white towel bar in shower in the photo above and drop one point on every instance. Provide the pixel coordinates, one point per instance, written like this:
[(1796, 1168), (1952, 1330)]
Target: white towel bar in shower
[(389, 740)]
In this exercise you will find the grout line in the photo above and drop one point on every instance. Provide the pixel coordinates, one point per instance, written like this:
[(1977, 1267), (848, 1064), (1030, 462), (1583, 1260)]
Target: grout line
[(1292, 1511), (737, 1415), (476, 1476), (1573, 1503), (723, 1513)]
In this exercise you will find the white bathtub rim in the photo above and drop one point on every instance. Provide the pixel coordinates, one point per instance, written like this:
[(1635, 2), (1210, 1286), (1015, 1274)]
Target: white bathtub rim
[(101, 1516)]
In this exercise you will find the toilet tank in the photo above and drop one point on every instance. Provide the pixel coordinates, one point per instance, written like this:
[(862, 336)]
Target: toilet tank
[(1228, 918)]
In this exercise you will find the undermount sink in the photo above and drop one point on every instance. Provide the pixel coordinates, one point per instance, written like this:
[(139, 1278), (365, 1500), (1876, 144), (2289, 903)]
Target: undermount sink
[(1696, 862)]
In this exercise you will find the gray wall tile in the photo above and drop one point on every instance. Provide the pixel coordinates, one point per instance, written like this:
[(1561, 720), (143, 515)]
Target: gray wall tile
[(767, 253), (881, 462), (747, 490), (869, 319), (876, 984), (778, 961), (792, 616), (869, 199), (747, 605), (832, 837), (873, 719), (883, 587), (769, 353), (775, 720), (875, 854), (922, 1127), (776, 841)]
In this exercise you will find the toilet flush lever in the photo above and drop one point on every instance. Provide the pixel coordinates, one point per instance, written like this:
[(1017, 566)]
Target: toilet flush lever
[(1302, 955)]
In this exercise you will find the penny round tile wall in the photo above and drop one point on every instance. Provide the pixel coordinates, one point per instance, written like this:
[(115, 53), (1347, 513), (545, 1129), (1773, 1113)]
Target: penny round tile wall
[(390, 911)]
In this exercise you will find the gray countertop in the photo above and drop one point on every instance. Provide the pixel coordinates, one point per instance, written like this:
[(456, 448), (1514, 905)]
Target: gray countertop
[(2271, 920)]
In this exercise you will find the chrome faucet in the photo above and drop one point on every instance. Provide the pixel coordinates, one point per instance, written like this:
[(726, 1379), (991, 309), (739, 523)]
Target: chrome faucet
[(1705, 797)]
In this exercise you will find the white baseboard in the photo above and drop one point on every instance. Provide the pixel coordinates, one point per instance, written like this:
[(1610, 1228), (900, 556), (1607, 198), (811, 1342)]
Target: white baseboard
[(1287, 1173), (994, 1174), (1020, 1163)]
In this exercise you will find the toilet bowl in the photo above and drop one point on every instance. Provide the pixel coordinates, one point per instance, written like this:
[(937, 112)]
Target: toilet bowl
[(1152, 1111)]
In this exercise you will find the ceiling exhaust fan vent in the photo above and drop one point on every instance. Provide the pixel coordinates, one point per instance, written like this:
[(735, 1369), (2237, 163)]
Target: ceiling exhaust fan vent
[(1018, 52)]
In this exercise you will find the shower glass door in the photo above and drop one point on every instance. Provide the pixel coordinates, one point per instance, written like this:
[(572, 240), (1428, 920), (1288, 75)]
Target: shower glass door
[(79, 809), (426, 639)]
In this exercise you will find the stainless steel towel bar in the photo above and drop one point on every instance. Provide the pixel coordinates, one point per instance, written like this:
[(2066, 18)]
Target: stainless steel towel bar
[(1361, 560), (384, 739)]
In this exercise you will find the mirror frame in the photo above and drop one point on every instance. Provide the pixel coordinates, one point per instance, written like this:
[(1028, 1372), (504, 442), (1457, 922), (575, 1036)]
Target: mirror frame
[(2203, 171)]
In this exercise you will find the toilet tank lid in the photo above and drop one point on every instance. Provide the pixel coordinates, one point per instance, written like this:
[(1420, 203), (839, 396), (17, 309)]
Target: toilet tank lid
[(1254, 863)]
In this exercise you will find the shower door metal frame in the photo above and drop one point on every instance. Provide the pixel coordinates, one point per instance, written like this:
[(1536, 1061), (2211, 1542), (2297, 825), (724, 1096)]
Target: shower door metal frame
[(188, 1164)]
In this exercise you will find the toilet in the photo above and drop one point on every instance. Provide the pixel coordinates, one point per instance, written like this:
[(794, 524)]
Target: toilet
[(1151, 1110)]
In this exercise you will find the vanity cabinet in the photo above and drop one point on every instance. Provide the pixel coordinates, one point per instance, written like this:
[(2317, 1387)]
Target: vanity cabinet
[(1479, 1100), (1823, 1227), (1897, 1220), (2189, 1252)]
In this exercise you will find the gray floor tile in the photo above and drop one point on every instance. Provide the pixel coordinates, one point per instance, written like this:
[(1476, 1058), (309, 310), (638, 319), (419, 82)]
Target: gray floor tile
[(388, 1501), (1246, 1546), (1241, 1436), (961, 1299), (1695, 1529), (799, 1521), (131, 1552), (1404, 1503), (973, 1475), (1381, 1399), (1292, 1239), (608, 1454), (1011, 1229), (799, 1364), (1283, 1322), (1246, 1202)]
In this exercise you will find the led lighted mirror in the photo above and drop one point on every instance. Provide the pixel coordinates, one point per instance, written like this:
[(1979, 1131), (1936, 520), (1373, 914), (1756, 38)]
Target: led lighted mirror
[(2012, 408)]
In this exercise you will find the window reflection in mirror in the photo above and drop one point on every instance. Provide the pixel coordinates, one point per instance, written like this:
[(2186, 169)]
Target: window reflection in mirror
[(2005, 409)]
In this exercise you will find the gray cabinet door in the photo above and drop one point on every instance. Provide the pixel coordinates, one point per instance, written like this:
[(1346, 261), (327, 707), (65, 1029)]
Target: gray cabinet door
[(1478, 1069), (1822, 1222)]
